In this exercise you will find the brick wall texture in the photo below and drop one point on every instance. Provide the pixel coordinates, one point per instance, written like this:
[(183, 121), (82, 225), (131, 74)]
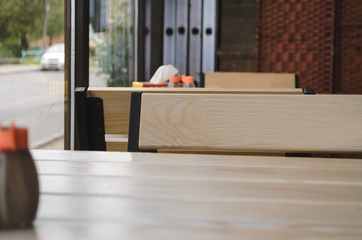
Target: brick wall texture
[(297, 36), (348, 75)]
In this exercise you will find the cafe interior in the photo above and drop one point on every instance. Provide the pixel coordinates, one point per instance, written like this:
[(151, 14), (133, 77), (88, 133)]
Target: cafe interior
[(221, 119)]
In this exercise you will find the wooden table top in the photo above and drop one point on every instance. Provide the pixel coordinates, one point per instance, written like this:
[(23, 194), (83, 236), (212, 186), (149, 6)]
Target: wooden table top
[(119, 195)]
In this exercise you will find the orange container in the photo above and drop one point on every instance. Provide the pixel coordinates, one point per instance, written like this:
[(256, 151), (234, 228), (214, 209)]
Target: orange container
[(13, 138)]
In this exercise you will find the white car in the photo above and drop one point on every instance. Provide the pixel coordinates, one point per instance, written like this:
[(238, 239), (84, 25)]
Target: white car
[(53, 58)]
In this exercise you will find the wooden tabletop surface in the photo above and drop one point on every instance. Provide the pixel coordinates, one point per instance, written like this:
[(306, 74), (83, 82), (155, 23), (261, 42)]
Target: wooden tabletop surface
[(119, 195)]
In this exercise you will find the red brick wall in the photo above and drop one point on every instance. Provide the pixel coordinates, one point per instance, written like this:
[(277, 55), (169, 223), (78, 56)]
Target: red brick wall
[(348, 73), (297, 36)]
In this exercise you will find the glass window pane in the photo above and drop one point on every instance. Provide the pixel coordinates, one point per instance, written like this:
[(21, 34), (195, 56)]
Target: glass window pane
[(31, 69), (110, 43)]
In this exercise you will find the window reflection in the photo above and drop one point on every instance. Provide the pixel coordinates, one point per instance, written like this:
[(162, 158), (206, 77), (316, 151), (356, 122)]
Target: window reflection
[(110, 43), (31, 74)]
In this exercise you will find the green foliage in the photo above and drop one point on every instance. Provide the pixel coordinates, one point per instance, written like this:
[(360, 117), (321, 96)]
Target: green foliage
[(22, 21), (18, 19), (114, 54), (31, 62), (6, 53), (55, 19), (10, 48)]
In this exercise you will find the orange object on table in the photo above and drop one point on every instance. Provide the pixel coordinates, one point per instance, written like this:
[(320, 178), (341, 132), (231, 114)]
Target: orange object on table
[(187, 79), (175, 78), (12, 139)]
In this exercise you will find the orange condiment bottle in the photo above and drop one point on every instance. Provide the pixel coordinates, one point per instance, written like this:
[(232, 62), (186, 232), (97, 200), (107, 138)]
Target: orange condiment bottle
[(175, 81), (13, 138), (188, 81)]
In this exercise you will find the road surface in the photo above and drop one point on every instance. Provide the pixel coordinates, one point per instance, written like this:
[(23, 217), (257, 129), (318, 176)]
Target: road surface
[(35, 99)]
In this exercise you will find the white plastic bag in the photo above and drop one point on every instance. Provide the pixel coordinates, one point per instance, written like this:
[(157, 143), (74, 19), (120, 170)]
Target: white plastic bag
[(163, 73)]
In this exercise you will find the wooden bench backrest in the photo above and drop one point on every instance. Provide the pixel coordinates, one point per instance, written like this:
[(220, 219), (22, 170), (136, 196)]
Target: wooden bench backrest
[(251, 123), (116, 101), (250, 80)]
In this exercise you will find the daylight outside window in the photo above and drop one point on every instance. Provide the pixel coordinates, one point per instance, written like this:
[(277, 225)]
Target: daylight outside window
[(110, 42), (31, 69)]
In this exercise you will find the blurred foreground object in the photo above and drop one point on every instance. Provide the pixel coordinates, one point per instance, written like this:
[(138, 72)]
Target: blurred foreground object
[(19, 187)]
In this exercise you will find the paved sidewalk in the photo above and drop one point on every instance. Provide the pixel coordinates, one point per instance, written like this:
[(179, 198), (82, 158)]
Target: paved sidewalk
[(56, 144), (18, 68)]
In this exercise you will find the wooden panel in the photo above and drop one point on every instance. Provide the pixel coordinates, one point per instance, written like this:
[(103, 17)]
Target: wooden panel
[(116, 101), (116, 142), (195, 160), (113, 195), (116, 110), (249, 211), (120, 229), (116, 104), (166, 188), (199, 190), (267, 123), (211, 151), (249, 80), (237, 174)]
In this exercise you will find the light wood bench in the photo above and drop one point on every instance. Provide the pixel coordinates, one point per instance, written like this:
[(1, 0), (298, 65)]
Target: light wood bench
[(251, 80), (232, 123), (116, 107)]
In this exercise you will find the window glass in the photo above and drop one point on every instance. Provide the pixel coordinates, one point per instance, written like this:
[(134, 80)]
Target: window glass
[(110, 43), (32, 69)]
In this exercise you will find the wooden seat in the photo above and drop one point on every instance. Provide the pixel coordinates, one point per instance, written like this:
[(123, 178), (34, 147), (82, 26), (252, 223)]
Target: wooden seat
[(116, 107), (250, 80), (235, 123)]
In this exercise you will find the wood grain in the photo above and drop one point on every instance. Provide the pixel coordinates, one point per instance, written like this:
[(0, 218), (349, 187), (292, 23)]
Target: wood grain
[(211, 151), (116, 107), (329, 192), (93, 229), (115, 195), (252, 123), (204, 172), (249, 80), (116, 142), (199, 160), (116, 101), (254, 213), (116, 104)]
